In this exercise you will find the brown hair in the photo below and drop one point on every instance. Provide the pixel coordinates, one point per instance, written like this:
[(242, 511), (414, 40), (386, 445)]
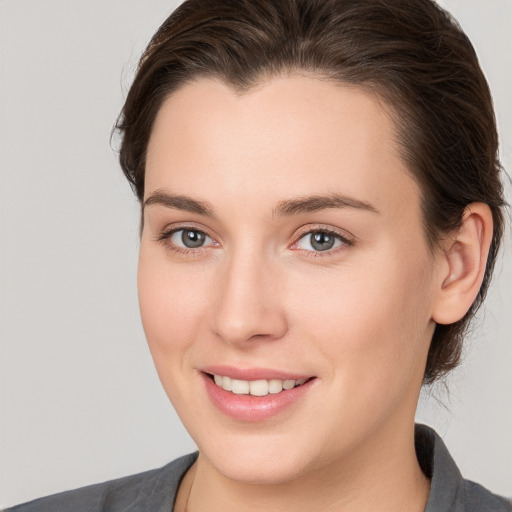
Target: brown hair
[(412, 54)]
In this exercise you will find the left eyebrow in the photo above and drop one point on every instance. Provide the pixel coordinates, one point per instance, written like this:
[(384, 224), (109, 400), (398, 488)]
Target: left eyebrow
[(314, 203)]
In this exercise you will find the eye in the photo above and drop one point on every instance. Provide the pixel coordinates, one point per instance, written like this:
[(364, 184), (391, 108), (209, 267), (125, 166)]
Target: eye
[(189, 238), (321, 240)]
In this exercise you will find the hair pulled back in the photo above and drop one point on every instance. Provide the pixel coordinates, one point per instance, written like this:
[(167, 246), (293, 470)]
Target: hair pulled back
[(412, 54)]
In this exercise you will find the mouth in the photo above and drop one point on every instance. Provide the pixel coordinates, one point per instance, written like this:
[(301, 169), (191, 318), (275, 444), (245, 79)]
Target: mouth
[(255, 398), (259, 387)]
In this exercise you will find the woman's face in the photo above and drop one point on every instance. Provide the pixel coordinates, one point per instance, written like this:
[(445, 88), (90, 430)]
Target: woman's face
[(283, 241)]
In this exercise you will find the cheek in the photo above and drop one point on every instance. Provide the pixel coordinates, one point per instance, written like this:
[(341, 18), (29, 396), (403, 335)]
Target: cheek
[(370, 318), (172, 302), (171, 299)]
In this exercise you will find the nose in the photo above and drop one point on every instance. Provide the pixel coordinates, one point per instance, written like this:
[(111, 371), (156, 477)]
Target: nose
[(248, 305)]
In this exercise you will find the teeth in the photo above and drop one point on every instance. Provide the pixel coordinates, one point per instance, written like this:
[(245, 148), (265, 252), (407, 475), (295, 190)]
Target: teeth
[(258, 387), (288, 384), (240, 387), (226, 383), (255, 387), (275, 386)]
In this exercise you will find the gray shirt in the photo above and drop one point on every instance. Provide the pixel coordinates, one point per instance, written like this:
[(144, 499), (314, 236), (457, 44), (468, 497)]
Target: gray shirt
[(155, 491)]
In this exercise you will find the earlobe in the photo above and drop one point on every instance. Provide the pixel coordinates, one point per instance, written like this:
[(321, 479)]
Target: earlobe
[(464, 260)]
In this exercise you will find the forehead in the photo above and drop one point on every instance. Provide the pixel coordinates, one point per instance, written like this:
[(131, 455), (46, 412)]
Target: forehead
[(290, 136)]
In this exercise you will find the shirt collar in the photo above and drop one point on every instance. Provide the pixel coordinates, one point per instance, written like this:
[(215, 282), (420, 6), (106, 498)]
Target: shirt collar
[(447, 484)]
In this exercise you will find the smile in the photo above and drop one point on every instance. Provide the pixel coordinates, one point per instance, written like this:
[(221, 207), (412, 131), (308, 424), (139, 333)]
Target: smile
[(253, 395), (261, 387)]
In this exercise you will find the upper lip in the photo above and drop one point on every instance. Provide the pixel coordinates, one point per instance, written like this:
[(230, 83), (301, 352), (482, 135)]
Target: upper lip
[(253, 373)]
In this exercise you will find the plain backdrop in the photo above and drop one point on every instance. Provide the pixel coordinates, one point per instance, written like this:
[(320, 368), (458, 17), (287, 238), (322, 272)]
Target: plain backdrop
[(80, 401)]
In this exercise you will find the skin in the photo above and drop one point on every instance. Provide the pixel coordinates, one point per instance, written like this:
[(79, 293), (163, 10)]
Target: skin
[(358, 317)]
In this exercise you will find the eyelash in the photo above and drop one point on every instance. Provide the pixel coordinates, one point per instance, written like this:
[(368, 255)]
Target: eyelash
[(345, 242), (166, 235)]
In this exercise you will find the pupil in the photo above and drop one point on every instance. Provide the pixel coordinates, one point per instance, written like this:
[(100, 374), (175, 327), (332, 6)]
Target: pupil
[(322, 241), (192, 239)]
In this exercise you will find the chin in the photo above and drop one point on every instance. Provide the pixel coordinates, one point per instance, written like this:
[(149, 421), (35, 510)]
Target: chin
[(257, 458), (274, 469)]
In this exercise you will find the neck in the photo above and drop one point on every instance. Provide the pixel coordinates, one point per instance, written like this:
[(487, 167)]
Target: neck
[(384, 475)]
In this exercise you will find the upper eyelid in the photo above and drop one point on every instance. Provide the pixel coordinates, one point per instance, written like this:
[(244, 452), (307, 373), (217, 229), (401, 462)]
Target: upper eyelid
[(173, 228), (307, 230)]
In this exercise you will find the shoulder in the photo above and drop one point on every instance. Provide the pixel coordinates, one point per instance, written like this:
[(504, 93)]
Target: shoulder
[(449, 491), (153, 490), (479, 499)]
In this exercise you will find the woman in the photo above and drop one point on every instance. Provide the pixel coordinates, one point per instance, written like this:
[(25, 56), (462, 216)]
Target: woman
[(321, 211)]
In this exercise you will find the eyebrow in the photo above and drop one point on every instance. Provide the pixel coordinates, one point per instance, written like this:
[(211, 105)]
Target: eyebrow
[(179, 202), (314, 203), (285, 208)]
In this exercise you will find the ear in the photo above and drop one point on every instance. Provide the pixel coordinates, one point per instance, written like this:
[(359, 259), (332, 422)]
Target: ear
[(463, 260)]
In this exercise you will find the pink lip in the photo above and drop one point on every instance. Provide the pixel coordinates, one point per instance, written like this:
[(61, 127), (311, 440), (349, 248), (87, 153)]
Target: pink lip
[(253, 408), (252, 373)]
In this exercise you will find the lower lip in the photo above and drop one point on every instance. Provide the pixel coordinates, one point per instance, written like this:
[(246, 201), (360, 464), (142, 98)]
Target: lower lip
[(253, 408)]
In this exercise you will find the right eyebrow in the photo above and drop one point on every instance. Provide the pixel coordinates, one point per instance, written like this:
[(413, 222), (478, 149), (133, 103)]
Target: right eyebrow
[(179, 202)]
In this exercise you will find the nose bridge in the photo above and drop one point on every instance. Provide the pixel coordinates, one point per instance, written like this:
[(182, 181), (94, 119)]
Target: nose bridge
[(248, 303)]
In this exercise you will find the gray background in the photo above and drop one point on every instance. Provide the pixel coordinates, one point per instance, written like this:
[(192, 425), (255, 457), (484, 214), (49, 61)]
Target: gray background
[(80, 401)]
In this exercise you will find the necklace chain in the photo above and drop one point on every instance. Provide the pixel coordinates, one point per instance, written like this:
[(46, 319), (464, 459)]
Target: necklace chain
[(185, 508)]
